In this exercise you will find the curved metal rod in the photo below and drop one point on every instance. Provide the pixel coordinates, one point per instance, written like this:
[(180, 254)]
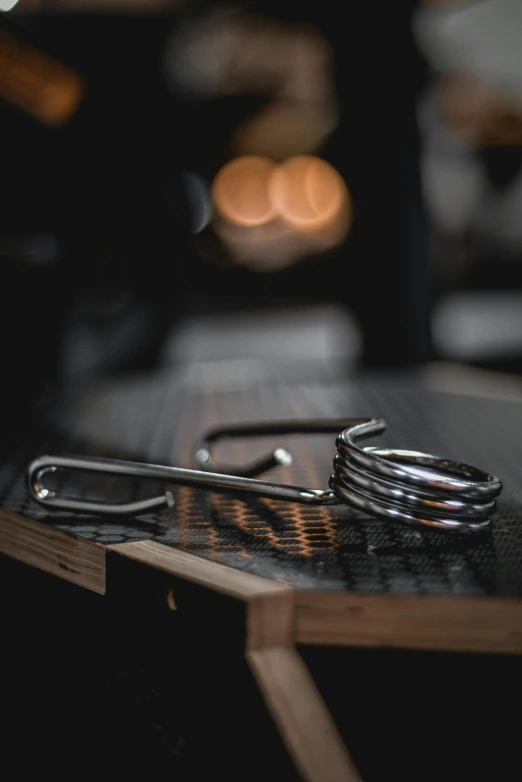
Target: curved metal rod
[(398, 485), (279, 456), (174, 475), (410, 486)]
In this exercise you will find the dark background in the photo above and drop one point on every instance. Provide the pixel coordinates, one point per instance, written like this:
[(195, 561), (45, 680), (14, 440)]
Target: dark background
[(108, 188), (95, 231)]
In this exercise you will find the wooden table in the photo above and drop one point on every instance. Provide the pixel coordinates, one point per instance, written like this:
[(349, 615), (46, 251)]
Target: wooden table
[(302, 577)]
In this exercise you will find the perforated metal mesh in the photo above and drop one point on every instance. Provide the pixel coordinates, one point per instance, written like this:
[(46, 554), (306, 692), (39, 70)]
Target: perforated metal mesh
[(159, 419)]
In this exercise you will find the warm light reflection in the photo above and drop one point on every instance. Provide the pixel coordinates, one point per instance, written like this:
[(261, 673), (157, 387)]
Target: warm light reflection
[(240, 191), (480, 114), (273, 215), (307, 192), (37, 83), (243, 53), (284, 128)]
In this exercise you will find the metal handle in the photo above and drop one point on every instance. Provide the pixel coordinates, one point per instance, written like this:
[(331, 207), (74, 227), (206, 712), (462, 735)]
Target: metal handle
[(174, 475), (278, 456), (398, 485)]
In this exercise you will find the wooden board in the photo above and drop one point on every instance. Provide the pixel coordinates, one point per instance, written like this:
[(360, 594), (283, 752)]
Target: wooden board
[(40, 545), (296, 705), (409, 622)]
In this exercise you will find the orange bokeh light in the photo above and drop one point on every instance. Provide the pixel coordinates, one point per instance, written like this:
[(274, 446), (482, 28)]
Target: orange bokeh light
[(272, 214), (240, 191), (304, 191), (307, 192)]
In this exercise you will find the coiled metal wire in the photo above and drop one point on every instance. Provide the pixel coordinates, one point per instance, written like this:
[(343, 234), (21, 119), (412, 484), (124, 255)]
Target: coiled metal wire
[(396, 485)]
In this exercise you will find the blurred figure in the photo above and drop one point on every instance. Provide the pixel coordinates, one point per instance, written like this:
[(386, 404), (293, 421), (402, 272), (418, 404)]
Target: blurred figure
[(134, 185), (231, 52), (86, 128), (471, 120), (234, 52), (472, 129)]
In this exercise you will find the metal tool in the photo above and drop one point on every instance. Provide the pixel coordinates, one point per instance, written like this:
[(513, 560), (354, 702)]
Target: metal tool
[(395, 485)]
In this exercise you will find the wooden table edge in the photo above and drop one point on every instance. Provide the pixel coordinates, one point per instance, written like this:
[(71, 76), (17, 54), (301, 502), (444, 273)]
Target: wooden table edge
[(319, 617), (55, 551)]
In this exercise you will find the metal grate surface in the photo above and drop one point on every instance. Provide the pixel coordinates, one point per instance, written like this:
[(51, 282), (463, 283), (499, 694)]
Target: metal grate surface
[(159, 418)]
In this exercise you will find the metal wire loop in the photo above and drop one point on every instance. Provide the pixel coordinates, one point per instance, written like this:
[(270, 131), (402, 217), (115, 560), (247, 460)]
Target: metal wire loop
[(397, 485)]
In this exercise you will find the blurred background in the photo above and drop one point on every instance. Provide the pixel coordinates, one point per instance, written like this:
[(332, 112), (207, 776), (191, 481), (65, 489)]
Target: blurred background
[(267, 188)]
